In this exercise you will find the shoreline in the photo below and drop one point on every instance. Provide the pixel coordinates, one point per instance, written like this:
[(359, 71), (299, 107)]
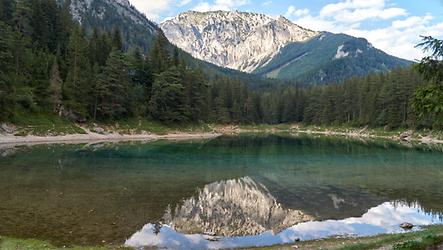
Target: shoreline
[(424, 140), (94, 137), (113, 136)]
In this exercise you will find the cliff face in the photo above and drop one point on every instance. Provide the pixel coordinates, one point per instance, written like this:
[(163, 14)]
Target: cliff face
[(232, 39), (233, 208)]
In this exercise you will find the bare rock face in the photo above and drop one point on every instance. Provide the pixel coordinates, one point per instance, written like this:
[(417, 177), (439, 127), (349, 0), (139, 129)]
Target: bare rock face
[(233, 208), (232, 39)]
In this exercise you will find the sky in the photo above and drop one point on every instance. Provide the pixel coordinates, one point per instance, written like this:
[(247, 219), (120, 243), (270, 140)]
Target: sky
[(394, 26)]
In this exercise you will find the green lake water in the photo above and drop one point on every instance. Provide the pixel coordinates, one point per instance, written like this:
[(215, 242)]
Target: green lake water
[(229, 187)]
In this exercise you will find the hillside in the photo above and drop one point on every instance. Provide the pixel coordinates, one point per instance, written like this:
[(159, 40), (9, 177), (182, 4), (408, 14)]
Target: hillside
[(329, 58)]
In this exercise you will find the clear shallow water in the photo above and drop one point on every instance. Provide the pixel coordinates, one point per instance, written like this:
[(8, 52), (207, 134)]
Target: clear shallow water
[(231, 187)]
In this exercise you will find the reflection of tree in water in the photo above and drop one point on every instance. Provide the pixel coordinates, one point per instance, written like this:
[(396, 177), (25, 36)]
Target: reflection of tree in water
[(233, 207)]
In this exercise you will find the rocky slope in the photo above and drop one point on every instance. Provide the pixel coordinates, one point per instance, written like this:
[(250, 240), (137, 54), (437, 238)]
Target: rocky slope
[(232, 39)]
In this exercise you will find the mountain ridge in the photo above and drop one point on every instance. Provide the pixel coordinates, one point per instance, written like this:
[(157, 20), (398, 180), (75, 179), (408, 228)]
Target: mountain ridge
[(238, 40), (275, 47)]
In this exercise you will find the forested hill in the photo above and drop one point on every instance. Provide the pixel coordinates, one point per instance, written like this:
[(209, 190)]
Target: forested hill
[(106, 15), (138, 31), (50, 65)]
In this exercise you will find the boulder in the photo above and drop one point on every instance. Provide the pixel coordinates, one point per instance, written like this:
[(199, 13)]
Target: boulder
[(406, 136), (9, 129), (98, 130)]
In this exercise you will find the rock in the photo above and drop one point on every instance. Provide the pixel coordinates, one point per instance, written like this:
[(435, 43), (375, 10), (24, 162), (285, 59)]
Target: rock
[(98, 130), (406, 226), (406, 136), (9, 129)]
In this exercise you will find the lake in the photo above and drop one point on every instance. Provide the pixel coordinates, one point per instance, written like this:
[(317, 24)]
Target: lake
[(224, 192)]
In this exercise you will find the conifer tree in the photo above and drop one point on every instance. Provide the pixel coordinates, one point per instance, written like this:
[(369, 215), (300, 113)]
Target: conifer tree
[(6, 62), (113, 88), (168, 101), (55, 88), (77, 87)]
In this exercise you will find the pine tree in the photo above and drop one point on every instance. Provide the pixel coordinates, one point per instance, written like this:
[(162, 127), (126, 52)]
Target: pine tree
[(428, 100), (117, 42), (113, 88), (77, 87), (7, 8), (160, 59), (6, 62), (168, 101), (55, 88), (196, 92)]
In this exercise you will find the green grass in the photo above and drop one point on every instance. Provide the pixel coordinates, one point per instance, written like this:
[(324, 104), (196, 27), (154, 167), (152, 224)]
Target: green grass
[(8, 243), (420, 240), (429, 238)]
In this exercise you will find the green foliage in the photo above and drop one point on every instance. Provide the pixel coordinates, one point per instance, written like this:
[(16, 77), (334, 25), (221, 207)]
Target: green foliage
[(77, 87), (316, 62), (49, 64), (425, 242), (6, 59), (113, 88), (428, 100), (168, 101)]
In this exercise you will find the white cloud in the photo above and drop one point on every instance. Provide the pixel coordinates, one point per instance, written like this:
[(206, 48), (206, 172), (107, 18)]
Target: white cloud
[(398, 37), (220, 5), (294, 12), (183, 3), (155, 9)]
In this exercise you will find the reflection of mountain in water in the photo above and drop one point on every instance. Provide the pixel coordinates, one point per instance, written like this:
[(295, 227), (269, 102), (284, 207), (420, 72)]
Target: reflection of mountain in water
[(381, 219), (233, 207)]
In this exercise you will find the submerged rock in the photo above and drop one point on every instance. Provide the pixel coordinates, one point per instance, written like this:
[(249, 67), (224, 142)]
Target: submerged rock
[(233, 208), (406, 226)]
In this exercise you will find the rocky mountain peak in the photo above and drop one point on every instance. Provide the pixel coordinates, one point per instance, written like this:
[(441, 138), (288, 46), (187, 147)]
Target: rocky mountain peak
[(238, 40)]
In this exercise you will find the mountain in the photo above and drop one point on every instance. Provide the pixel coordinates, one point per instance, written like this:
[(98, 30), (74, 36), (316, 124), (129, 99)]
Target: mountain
[(236, 40), (275, 48), (329, 58), (136, 29)]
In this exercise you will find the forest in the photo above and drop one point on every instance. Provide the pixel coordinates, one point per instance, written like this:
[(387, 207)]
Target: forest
[(51, 64)]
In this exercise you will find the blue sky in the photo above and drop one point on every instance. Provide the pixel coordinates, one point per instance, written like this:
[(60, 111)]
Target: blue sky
[(394, 26)]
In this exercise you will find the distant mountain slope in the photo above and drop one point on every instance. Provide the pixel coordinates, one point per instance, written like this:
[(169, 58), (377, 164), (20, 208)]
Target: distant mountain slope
[(107, 14), (237, 40), (329, 58)]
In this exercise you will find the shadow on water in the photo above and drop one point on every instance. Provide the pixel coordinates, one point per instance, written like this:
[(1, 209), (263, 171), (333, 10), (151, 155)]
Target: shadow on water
[(84, 194)]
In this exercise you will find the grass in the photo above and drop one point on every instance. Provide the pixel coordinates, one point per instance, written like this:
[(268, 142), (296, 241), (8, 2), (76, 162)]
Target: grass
[(8, 243), (50, 124), (428, 238), (44, 124)]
